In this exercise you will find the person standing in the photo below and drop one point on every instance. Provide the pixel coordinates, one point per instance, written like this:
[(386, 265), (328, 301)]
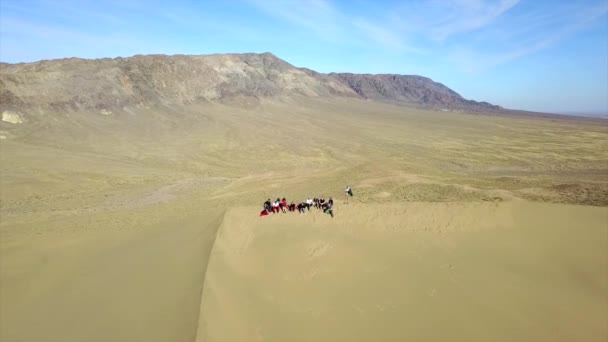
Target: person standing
[(348, 192)]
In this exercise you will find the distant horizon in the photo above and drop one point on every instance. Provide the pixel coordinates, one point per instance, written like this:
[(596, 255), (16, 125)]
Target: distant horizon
[(521, 54), (591, 114)]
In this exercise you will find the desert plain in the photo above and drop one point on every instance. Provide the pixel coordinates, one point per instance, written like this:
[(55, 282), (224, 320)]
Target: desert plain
[(143, 225)]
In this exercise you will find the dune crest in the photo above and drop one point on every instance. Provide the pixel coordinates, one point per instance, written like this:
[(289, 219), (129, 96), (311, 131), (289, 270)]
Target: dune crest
[(396, 272)]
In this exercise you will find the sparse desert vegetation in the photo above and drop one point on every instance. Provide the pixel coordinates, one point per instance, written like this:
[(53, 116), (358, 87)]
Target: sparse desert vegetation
[(141, 223)]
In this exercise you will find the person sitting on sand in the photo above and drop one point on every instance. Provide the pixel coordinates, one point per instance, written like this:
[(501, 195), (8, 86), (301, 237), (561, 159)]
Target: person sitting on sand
[(315, 202), (284, 205), (276, 206), (302, 208), (308, 203), (321, 202), (292, 206), (329, 208), (268, 205)]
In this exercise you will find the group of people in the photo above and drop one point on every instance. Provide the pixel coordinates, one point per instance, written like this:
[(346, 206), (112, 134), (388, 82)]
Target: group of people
[(280, 205)]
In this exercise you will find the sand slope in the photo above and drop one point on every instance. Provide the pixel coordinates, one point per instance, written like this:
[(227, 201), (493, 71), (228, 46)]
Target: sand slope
[(418, 271), (107, 223), (117, 283)]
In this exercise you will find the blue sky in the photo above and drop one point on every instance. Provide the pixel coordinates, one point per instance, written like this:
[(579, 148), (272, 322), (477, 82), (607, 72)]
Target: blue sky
[(525, 54)]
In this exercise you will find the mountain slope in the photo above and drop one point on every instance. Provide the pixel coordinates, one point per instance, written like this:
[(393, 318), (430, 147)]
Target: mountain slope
[(115, 84), (409, 89)]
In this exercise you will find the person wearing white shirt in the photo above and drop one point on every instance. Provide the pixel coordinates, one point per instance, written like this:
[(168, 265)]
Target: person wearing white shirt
[(347, 192)]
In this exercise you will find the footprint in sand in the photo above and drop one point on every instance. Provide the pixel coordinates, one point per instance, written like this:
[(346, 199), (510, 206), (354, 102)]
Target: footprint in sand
[(318, 249), (382, 194)]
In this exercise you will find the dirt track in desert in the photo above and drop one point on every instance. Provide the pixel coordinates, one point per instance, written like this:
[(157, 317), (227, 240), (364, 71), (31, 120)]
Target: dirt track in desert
[(143, 225)]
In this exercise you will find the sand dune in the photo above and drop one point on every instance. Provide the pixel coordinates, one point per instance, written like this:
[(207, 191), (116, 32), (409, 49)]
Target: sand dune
[(429, 272), (122, 282), (463, 227)]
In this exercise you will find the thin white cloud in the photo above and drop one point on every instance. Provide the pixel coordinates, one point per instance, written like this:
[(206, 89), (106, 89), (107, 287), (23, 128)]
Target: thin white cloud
[(476, 35), (386, 36), (81, 11), (319, 16), (14, 30), (441, 20), (204, 23), (378, 33), (25, 28), (529, 41), (329, 23), (461, 16)]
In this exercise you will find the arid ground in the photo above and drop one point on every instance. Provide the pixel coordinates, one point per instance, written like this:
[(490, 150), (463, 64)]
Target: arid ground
[(143, 225)]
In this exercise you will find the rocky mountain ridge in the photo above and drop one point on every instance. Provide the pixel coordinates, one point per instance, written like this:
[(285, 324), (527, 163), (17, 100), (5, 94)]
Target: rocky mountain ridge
[(106, 85)]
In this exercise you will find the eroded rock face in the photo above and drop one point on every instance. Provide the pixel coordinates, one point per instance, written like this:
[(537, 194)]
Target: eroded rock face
[(108, 85), (416, 90)]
